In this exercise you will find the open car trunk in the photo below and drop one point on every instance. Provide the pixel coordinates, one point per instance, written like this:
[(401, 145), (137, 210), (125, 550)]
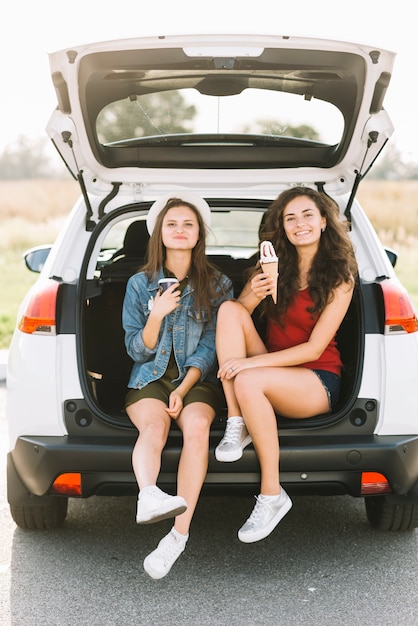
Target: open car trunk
[(107, 366)]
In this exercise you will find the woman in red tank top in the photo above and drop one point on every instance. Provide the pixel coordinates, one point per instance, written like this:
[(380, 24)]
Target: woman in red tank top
[(295, 372)]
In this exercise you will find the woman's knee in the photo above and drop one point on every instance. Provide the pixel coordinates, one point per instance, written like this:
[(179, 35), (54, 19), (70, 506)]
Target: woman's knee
[(246, 384), (156, 429), (229, 311), (196, 428)]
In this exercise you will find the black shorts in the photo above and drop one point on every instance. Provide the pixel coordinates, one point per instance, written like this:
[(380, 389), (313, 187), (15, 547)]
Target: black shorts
[(209, 393), (332, 385)]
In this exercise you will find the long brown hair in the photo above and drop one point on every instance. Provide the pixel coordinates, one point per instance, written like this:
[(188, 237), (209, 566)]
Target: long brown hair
[(204, 277), (333, 263)]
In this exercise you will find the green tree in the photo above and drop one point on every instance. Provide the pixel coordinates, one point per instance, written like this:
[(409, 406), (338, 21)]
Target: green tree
[(274, 127), (144, 116)]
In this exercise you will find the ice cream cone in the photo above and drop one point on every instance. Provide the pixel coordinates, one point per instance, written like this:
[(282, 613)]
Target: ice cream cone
[(272, 269)]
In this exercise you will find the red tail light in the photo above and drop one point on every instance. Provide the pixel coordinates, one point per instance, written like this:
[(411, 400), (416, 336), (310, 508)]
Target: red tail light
[(374, 483), (400, 316), (40, 313), (67, 484)]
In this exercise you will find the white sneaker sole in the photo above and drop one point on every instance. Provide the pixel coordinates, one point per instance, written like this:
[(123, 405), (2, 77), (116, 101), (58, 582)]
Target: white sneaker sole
[(252, 537), (228, 456), (174, 506)]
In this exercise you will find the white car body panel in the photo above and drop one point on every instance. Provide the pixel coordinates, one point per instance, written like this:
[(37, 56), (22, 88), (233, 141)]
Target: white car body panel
[(33, 396), (400, 405), (391, 385)]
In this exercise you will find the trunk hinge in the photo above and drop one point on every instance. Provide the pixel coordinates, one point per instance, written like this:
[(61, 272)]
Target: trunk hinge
[(108, 198)]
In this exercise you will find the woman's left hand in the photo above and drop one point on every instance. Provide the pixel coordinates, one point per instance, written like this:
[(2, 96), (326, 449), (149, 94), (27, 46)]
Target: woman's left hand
[(175, 404), (232, 367)]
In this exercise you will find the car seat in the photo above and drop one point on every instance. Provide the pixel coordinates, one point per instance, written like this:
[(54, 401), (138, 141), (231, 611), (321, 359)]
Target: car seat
[(128, 259)]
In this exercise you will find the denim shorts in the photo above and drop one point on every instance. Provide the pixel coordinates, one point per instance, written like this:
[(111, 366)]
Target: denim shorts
[(332, 385)]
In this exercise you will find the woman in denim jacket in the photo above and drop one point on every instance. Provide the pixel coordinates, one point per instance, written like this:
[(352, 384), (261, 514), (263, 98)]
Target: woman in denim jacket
[(170, 335)]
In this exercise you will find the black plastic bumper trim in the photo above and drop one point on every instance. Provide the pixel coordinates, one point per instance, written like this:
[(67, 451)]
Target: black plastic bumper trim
[(306, 463)]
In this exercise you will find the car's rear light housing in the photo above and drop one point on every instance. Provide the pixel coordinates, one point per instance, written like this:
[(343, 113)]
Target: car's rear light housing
[(374, 483), (400, 315), (39, 316), (68, 484)]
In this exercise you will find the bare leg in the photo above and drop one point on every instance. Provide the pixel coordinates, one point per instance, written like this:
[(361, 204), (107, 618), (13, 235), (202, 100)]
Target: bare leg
[(264, 391), (194, 421), (236, 336), (153, 424), (261, 424)]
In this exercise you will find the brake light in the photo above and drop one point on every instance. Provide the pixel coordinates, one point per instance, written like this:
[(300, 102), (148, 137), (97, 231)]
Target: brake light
[(400, 316), (40, 314), (374, 483), (67, 484)]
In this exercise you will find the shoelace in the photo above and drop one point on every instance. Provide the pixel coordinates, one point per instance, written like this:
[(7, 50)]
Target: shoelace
[(232, 432), (171, 548), (156, 494), (257, 510)]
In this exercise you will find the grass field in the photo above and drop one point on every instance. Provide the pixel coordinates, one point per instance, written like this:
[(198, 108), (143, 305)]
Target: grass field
[(32, 212)]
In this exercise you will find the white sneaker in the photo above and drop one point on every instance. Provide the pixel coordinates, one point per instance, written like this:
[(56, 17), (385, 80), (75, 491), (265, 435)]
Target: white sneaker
[(266, 514), (155, 505), (235, 439), (160, 561)]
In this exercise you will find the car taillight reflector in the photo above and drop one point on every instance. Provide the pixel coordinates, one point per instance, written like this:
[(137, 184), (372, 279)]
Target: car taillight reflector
[(400, 316), (40, 314), (67, 484), (374, 483)]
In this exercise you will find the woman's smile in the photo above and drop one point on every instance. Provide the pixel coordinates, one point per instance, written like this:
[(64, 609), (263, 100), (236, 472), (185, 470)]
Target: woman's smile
[(302, 221)]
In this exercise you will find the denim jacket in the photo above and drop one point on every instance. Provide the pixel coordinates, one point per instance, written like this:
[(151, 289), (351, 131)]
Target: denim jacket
[(188, 334)]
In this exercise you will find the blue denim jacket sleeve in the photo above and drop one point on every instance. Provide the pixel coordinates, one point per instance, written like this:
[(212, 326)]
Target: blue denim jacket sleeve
[(193, 338), (135, 313)]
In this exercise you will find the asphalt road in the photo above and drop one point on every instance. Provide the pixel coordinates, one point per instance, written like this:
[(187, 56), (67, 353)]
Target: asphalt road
[(323, 566)]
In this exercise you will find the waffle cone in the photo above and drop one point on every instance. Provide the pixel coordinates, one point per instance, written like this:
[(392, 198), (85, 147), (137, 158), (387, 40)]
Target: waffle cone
[(272, 269)]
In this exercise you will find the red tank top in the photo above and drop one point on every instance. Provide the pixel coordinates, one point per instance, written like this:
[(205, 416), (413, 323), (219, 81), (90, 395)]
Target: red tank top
[(297, 326)]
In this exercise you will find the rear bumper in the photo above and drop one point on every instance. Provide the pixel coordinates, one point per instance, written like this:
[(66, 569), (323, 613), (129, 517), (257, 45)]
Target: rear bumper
[(311, 465)]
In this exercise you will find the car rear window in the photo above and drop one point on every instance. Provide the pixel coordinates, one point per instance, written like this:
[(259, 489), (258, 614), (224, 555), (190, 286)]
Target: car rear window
[(223, 119)]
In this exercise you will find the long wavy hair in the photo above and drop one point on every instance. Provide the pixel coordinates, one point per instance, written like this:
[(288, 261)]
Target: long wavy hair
[(333, 263), (204, 278)]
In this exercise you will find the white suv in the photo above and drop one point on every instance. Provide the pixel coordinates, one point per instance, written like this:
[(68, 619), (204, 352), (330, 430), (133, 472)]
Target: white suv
[(236, 119)]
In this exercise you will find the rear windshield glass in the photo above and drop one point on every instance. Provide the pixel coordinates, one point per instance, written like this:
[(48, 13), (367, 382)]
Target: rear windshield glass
[(211, 117)]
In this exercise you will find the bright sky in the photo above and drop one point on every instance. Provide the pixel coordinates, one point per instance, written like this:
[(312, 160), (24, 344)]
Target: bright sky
[(33, 29)]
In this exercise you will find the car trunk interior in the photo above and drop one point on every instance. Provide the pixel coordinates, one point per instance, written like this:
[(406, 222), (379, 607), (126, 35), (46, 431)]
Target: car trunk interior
[(108, 366)]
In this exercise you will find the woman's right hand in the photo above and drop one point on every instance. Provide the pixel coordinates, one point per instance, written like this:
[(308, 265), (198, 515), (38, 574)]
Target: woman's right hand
[(166, 302), (262, 285), (255, 290)]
